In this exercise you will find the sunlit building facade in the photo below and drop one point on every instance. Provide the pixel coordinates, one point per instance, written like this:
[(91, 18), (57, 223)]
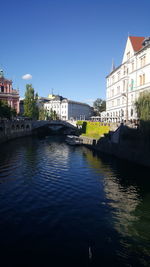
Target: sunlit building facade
[(7, 93), (68, 109), (126, 82)]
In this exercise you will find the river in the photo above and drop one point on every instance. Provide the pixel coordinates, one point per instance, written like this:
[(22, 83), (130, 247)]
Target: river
[(68, 206)]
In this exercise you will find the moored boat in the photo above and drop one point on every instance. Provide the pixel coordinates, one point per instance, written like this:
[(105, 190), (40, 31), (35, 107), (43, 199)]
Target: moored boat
[(74, 140)]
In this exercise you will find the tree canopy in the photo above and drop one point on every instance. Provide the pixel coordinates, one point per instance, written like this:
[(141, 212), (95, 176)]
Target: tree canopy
[(143, 106), (99, 105), (6, 111), (30, 103)]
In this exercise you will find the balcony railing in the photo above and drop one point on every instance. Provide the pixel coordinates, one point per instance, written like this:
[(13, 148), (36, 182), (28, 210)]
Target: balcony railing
[(13, 93)]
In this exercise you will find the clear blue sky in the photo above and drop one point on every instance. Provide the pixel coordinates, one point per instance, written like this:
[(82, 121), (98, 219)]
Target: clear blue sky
[(67, 45)]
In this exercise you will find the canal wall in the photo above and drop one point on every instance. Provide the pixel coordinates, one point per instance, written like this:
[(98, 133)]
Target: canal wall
[(124, 143), (13, 129), (88, 141)]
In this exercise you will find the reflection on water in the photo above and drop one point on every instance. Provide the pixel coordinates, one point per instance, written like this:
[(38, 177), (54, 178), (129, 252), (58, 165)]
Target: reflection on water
[(127, 191), (58, 201)]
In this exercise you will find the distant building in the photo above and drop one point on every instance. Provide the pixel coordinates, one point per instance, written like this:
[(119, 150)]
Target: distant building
[(126, 82), (67, 109), (7, 93)]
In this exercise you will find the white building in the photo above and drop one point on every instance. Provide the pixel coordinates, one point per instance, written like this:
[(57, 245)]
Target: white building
[(126, 82), (68, 109)]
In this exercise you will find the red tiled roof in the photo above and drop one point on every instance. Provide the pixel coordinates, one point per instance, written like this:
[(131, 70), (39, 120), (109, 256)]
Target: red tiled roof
[(136, 42)]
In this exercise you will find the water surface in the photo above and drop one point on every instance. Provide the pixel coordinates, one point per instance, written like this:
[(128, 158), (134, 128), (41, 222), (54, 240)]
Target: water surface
[(67, 206)]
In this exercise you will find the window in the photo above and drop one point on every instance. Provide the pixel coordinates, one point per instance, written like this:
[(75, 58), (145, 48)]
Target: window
[(124, 70), (142, 79), (128, 55), (112, 92), (132, 65), (118, 75), (131, 112), (143, 61), (118, 90), (132, 84), (118, 102), (2, 89), (124, 85)]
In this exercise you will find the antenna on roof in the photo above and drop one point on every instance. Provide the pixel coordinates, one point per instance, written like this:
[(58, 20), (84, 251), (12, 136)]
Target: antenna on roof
[(52, 91), (112, 66)]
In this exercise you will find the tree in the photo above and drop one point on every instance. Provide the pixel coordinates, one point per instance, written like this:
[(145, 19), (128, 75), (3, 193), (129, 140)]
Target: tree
[(43, 114), (6, 111), (30, 103), (143, 106), (52, 115), (99, 105), (143, 112)]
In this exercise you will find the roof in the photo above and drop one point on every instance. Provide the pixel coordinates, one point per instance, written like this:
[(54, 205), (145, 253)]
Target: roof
[(136, 42), (2, 79)]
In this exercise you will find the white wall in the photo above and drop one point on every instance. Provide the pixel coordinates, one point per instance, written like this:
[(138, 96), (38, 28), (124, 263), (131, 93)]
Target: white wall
[(128, 83)]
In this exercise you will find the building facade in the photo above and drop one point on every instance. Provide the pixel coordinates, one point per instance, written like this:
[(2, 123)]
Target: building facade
[(126, 82), (68, 109), (7, 93)]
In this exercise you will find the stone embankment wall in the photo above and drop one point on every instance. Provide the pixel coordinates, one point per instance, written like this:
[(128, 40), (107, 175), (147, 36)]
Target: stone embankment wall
[(124, 143), (88, 141), (14, 129)]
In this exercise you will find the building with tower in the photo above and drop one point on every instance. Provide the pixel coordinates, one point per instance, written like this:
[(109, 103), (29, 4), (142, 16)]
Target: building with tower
[(7, 93)]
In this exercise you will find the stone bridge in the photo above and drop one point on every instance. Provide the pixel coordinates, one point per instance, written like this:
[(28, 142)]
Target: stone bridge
[(10, 129), (53, 124)]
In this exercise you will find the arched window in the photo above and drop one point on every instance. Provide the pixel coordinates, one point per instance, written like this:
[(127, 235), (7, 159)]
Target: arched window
[(131, 112)]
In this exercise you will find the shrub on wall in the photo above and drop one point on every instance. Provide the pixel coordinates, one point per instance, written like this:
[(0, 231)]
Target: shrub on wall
[(94, 129)]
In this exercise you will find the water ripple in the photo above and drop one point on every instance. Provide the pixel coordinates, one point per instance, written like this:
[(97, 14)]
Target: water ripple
[(60, 200)]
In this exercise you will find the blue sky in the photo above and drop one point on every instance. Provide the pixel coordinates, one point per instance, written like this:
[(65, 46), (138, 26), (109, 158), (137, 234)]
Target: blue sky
[(67, 45)]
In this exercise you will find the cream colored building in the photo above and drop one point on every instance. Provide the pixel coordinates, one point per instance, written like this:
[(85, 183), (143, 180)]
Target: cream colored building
[(68, 109), (126, 82)]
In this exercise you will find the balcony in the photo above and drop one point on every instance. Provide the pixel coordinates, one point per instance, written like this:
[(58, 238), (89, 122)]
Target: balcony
[(14, 93)]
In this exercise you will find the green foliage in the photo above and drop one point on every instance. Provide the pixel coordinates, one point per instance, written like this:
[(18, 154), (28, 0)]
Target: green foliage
[(79, 123), (99, 105), (143, 106), (30, 103), (6, 111), (143, 112), (43, 115), (52, 115), (94, 129)]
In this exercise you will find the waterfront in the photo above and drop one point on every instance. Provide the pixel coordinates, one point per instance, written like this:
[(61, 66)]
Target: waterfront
[(58, 203)]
